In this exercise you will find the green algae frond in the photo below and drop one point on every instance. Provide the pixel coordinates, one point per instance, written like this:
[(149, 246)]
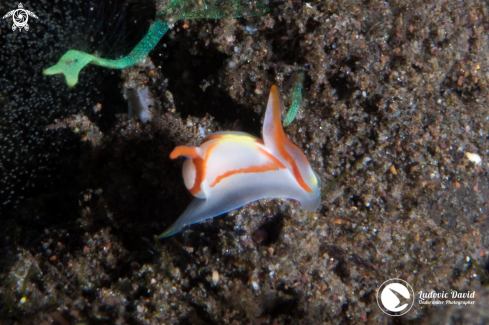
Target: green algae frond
[(73, 61), (296, 98)]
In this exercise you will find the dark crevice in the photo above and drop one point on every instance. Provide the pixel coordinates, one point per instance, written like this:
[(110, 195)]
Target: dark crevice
[(269, 232), (371, 105), (342, 84), (285, 41), (339, 254), (283, 306), (187, 73)]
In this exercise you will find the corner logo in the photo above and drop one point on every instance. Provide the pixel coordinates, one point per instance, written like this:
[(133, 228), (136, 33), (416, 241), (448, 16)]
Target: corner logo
[(20, 16), (395, 297)]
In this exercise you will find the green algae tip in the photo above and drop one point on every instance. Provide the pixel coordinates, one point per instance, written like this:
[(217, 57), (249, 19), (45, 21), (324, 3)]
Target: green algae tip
[(71, 63), (296, 98)]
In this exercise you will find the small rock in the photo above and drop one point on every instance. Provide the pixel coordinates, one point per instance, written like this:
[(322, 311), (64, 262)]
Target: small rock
[(475, 158), (215, 277), (393, 170)]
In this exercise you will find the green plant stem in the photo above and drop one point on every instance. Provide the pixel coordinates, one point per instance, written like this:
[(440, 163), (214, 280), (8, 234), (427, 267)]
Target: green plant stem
[(296, 98)]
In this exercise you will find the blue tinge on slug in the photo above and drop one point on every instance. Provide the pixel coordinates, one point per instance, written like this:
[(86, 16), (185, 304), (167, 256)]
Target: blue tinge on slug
[(232, 169)]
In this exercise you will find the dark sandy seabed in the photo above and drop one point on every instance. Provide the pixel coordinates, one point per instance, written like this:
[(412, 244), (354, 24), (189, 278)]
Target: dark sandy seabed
[(396, 94)]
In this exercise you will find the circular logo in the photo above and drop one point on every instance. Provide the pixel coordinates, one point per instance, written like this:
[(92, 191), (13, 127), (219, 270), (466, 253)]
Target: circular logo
[(395, 297), (20, 17)]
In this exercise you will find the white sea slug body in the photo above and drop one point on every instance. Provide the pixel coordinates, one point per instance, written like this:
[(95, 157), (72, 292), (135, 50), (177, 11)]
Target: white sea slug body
[(231, 169)]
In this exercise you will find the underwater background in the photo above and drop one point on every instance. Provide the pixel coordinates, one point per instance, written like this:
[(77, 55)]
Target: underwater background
[(394, 119)]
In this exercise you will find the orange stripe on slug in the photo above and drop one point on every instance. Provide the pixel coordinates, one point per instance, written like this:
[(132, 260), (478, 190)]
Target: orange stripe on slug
[(189, 152), (295, 169), (281, 140), (252, 169), (199, 175), (207, 155), (270, 156), (270, 166)]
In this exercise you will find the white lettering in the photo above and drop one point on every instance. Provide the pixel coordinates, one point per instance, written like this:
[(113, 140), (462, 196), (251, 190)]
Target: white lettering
[(462, 295), (433, 295)]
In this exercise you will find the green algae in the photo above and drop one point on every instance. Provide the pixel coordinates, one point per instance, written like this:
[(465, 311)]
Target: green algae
[(73, 61), (296, 98)]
